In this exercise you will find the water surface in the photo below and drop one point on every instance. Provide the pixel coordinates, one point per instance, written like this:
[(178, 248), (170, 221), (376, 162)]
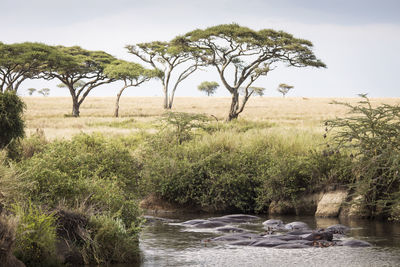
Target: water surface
[(171, 244)]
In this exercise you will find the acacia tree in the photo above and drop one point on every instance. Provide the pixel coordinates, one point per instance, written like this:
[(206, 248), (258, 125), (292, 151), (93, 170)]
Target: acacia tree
[(44, 91), (22, 61), (284, 88), (246, 55), (31, 90), (172, 58), (80, 71), (132, 74), (208, 87)]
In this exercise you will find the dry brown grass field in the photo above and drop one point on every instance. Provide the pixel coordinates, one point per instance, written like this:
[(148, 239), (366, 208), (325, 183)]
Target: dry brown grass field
[(48, 113)]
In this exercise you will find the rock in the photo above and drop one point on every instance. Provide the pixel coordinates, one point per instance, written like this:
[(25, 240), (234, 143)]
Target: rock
[(307, 204), (331, 203), (358, 209), (7, 239), (395, 213), (356, 243), (281, 208)]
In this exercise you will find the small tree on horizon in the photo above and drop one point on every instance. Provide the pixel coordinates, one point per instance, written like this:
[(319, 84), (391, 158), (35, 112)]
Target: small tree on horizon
[(44, 91), (284, 88), (208, 87), (31, 91)]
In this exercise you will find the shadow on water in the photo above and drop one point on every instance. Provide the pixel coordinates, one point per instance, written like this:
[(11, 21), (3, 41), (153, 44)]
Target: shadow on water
[(171, 244)]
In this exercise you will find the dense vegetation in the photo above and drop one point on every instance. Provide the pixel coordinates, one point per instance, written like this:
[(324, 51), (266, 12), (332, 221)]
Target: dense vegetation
[(79, 198)]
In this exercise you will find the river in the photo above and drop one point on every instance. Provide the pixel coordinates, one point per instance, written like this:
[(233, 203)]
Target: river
[(171, 244)]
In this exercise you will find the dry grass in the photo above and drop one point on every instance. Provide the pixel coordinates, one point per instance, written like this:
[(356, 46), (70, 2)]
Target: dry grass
[(47, 113)]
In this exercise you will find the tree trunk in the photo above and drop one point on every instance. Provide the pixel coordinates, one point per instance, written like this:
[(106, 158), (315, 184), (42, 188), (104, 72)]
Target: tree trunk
[(233, 114), (165, 98), (117, 102), (75, 107)]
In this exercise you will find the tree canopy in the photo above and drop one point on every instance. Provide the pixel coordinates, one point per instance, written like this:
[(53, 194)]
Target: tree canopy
[(132, 74), (22, 61), (11, 121), (174, 60), (284, 88), (246, 55), (80, 70), (208, 87)]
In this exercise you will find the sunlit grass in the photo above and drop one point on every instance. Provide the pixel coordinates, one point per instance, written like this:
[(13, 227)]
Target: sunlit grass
[(142, 113)]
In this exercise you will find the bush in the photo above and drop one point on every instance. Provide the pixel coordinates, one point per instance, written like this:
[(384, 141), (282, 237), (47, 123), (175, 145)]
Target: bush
[(35, 243), (11, 122), (111, 241), (372, 135), (209, 172), (87, 169)]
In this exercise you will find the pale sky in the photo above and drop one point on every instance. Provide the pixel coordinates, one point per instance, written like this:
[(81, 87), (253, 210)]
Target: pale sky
[(358, 40)]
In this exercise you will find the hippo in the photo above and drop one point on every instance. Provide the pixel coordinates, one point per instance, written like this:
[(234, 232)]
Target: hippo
[(286, 237), (302, 241), (338, 229), (246, 242), (268, 242), (236, 237), (195, 222), (230, 229), (273, 223), (209, 224), (243, 217), (319, 235), (323, 243), (290, 246), (226, 220), (235, 218), (296, 226), (356, 243), (300, 232)]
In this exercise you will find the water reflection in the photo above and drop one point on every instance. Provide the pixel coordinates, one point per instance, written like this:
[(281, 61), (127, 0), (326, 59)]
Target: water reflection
[(169, 244)]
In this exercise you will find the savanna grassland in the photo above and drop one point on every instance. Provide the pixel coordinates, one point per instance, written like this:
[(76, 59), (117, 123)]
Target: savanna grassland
[(74, 188), (136, 113)]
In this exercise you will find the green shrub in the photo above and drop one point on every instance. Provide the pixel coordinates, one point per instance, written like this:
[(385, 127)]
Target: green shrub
[(88, 169), (11, 122), (35, 243), (111, 241), (12, 187), (372, 135), (208, 172)]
